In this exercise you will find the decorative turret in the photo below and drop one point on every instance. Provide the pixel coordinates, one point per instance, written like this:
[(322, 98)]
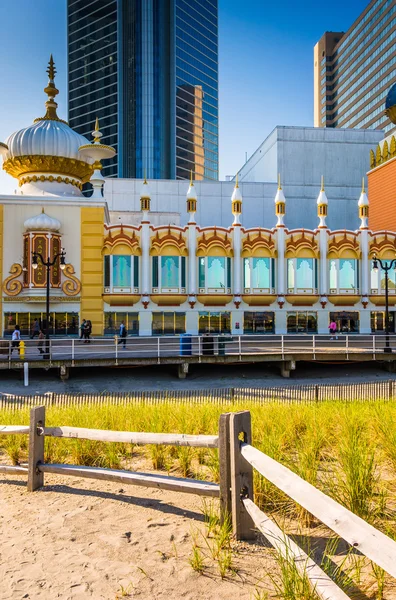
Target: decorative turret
[(363, 208), (145, 199), (191, 200), (236, 200), (97, 151), (45, 156), (322, 203), (280, 204)]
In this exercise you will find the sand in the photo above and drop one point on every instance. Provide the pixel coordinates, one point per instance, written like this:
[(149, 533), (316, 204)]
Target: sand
[(77, 538)]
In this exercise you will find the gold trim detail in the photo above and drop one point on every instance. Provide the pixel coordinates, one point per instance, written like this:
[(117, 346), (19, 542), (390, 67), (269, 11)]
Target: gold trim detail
[(258, 299), (168, 299), (250, 244), (169, 239), (54, 299), (301, 299), (122, 238), (121, 299), (214, 299), (11, 286), (343, 299), (36, 163), (72, 285), (204, 244)]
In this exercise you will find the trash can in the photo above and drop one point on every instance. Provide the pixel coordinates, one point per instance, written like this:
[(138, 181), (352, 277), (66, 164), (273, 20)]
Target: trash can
[(185, 344), (207, 345)]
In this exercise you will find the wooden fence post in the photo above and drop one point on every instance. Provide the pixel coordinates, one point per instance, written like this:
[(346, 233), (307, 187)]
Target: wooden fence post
[(225, 466), (241, 476), (36, 448)]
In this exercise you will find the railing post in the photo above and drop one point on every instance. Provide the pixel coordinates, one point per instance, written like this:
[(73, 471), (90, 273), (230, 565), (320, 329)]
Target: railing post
[(241, 475), (199, 347), (240, 347), (225, 467), (73, 351), (313, 346), (283, 347), (158, 350), (116, 349), (36, 448), (373, 347), (390, 389), (346, 346)]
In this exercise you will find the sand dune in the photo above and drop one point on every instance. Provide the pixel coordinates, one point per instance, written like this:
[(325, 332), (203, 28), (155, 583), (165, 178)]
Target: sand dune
[(78, 539)]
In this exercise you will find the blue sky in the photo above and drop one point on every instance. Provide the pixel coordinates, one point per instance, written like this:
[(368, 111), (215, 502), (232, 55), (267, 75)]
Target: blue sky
[(266, 66)]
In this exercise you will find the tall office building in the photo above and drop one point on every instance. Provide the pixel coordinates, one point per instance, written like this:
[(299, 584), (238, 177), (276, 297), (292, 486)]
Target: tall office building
[(148, 69), (353, 71)]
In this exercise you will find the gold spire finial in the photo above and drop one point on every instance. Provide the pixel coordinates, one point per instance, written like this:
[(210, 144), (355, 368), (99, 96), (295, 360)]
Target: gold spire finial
[(97, 124), (96, 134), (236, 181), (51, 69), (322, 188), (42, 210), (144, 177), (51, 92), (363, 190), (191, 178), (279, 182)]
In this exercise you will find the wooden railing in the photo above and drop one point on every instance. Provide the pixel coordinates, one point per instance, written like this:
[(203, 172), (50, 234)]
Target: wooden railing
[(375, 390), (247, 517), (237, 459)]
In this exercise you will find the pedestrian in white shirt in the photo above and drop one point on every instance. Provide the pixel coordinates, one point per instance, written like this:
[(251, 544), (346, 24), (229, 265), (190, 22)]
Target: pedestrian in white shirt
[(16, 338)]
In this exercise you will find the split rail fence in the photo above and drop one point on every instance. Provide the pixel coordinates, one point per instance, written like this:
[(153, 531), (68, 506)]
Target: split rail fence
[(237, 459), (375, 390)]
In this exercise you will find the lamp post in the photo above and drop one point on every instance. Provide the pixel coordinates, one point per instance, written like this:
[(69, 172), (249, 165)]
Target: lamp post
[(385, 266), (48, 264)]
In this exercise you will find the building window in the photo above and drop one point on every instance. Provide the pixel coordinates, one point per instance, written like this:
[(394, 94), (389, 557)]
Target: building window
[(169, 323), (302, 322), (121, 274), (259, 322), (112, 322), (169, 274), (302, 275), (378, 321), (347, 322), (259, 274), (60, 323), (343, 275), (214, 274), (214, 322), (378, 281)]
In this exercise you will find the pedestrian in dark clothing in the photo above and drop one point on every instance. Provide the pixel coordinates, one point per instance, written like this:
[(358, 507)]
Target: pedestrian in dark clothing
[(82, 329), (87, 332), (123, 335), (35, 329)]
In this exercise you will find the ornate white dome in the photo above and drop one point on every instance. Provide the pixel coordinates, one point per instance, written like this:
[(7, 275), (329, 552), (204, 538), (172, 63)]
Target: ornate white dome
[(46, 138), (42, 222), (47, 152)]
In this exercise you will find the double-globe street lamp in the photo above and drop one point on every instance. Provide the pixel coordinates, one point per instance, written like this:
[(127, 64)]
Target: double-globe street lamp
[(386, 266), (48, 264)]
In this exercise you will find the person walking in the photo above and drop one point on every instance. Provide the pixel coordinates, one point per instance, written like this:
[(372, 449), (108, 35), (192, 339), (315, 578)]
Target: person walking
[(82, 329), (87, 332), (123, 335), (16, 339), (35, 329), (333, 329), (41, 339)]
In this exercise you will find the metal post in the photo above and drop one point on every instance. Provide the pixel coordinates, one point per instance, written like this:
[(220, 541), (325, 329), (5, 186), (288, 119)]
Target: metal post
[(283, 347), (73, 351), (199, 348), (387, 345), (313, 346), (46, 355), (26, 374), (347, 346), (158, 350), (240, 347)]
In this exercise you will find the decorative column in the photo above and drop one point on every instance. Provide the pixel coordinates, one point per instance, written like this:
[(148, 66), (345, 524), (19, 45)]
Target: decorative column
[(322, 204), (280, 211), (192, 316), (365, 326), (145, 201), (236, 202)]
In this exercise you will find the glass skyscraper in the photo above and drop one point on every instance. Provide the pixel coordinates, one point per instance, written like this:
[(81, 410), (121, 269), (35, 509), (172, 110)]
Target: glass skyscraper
[(353, 71), (149, 70)]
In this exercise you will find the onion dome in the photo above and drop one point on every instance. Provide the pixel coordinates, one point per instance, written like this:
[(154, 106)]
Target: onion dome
[(390, 104), (48, 150), (42, 222)]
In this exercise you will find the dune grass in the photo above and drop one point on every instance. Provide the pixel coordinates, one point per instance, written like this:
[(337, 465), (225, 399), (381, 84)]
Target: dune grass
[(347, 450)]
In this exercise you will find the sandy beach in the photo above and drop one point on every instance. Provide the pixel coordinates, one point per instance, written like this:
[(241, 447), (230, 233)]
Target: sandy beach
[(78, 539)]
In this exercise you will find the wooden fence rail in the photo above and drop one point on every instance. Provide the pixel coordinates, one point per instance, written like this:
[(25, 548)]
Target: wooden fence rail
[(345, 392), (246, 516)]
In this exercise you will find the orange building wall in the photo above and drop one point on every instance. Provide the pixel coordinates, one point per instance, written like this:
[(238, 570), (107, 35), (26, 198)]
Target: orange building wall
[(382, 197)]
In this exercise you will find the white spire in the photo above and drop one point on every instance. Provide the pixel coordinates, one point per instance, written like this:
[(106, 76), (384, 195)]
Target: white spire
[(191, 192), (280, 204), (322, 203), (236, 194), (363, 205)]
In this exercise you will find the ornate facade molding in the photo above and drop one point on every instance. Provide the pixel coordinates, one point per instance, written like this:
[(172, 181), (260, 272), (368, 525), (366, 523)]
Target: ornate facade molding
[(72, 285), (11, 285), (36, 164)]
